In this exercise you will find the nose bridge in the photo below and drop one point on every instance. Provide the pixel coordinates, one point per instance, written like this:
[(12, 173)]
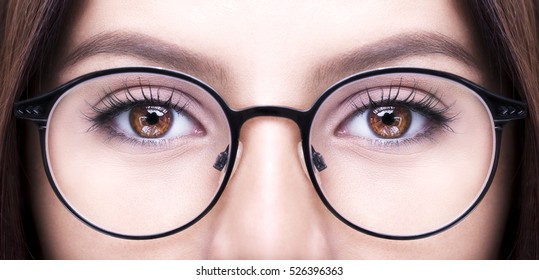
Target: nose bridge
[(269, 200)]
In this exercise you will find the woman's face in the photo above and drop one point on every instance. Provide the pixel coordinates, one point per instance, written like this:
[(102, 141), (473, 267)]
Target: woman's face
[(280, 53)]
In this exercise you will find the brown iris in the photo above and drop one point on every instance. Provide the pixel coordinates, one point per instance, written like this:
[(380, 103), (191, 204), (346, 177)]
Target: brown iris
[(389, 121), (150, 121)]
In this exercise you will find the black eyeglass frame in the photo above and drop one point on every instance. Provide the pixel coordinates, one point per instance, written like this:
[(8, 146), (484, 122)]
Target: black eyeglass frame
[(38, 110)]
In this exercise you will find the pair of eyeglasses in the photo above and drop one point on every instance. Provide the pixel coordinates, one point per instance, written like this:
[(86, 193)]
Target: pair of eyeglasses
[(397, 153)]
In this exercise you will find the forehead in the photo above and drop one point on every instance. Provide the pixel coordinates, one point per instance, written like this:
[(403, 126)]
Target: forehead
[(249, 43), (272, 22)]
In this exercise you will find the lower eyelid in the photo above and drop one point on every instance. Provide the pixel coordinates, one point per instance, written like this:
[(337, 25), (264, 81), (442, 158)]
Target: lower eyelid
[(111, 136), (380, 148)]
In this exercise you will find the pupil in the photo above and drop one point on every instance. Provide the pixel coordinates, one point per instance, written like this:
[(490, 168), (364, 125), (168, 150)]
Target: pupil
[(152, 118), (388, 119)]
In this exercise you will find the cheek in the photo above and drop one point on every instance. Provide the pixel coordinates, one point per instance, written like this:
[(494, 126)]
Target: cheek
[(63, 236), (478, 236)]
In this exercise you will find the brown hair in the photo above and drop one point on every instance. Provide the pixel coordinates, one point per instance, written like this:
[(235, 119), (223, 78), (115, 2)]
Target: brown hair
[(509, 29), (29, 29)]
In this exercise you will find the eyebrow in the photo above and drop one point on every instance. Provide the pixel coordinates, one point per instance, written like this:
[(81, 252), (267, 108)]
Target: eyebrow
[(391, 49), (335, 68), (150, 49)]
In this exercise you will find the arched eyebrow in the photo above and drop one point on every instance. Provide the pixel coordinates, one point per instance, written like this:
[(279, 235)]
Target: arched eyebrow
[(334, 68), (389, 50), (150, 49)]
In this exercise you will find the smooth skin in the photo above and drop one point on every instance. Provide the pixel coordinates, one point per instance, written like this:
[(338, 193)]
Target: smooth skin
[(254, 53)]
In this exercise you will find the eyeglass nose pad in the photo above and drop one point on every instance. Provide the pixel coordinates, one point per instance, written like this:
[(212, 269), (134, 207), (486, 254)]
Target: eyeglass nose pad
[(221, 160), (318, 160)]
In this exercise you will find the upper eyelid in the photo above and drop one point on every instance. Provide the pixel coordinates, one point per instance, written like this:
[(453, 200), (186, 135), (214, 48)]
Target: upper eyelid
[(110, 93), (114, 105), (391, 97), (427, 104), (150, 96)]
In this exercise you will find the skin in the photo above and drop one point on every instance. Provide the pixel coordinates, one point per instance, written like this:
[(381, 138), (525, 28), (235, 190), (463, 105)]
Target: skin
[(269, 53)]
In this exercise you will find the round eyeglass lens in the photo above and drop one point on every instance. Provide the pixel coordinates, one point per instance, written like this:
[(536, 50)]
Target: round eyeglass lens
[(402, 154), (137, 154)]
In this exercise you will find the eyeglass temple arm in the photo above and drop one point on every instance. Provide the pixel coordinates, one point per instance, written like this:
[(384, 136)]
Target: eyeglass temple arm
[(503, 109), (36, 109), (509, 111)]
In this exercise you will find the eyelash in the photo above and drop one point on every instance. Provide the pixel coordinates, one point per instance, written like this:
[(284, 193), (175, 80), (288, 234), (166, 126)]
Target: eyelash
[(426, 106), (112, 106)]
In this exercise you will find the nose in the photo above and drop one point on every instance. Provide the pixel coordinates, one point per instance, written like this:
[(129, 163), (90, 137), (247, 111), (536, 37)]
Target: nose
[(269, 209)]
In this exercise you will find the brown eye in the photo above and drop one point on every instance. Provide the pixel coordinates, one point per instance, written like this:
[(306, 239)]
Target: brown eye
[(389, 121), (150, 121)]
